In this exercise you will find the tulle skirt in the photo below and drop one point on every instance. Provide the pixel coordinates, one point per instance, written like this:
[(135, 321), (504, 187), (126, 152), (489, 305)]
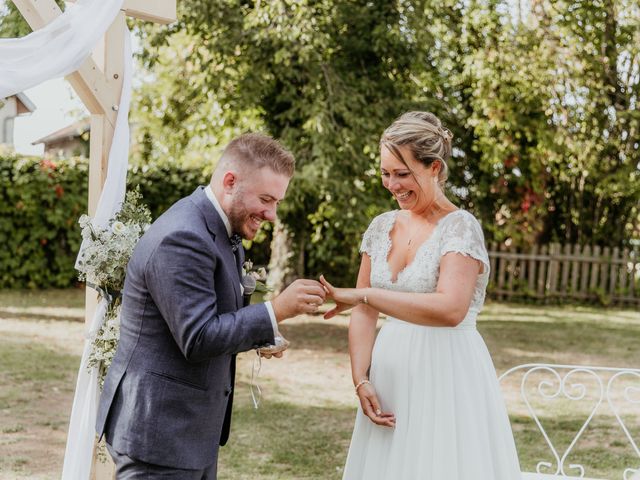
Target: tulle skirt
[(451, 421)]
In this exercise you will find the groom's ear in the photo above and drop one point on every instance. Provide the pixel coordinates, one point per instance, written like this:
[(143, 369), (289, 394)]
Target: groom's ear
[(229, 181)]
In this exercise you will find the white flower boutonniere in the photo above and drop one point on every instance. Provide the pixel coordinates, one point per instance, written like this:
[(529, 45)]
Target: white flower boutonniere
[(259, 275)]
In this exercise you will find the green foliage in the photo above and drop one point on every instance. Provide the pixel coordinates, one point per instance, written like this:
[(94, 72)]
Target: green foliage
[(12, 23), (545, 127), (554, 113), (163, 184), (41, 201), (307, 74), (541, 97)]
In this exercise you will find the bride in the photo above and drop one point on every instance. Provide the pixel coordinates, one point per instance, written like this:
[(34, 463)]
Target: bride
[(430, 403)]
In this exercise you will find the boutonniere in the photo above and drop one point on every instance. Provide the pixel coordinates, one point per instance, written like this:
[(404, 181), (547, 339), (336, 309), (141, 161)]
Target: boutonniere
[(259, 276)]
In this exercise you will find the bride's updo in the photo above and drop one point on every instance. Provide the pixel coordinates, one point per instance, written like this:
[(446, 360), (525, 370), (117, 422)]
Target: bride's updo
[(424, 134)]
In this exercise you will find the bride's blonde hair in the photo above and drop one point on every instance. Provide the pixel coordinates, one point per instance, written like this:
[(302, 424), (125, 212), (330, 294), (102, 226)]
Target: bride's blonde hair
[(425, 136)]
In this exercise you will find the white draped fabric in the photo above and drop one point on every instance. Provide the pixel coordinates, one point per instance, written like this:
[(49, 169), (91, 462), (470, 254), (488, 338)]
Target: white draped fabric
[(79, 452), (56, 50)]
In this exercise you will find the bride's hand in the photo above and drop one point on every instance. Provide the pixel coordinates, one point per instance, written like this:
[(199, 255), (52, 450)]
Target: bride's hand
[(371, 407), (345, 298)]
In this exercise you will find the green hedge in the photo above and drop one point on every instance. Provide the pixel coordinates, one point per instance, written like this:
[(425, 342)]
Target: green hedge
[(41, 201)]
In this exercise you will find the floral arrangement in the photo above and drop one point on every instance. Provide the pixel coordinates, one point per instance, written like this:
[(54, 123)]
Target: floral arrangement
[(259, 275), (103, 264)]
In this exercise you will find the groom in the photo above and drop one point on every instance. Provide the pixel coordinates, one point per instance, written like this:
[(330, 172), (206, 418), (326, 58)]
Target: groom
[(166, 403)]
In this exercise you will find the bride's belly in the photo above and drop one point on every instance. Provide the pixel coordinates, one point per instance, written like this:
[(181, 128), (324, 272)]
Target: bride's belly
[(405, 353)]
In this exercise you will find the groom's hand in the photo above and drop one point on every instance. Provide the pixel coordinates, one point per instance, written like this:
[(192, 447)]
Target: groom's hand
[(302, 296)]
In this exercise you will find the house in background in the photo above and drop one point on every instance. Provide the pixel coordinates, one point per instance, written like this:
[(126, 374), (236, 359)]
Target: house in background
[(70, 141), (11, 107)]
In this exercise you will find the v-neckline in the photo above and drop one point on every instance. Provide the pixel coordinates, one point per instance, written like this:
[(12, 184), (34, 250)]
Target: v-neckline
[(418, 250)]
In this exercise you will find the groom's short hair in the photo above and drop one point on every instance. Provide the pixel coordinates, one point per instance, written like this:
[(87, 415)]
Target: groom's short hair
[(255, 151)]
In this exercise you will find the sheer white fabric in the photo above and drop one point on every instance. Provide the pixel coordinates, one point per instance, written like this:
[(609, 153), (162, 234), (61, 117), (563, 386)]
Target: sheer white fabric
[(56, 50), (79, 452), (451, 421)]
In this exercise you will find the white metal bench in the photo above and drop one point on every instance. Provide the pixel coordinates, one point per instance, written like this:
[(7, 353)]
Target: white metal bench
[(541, 389)]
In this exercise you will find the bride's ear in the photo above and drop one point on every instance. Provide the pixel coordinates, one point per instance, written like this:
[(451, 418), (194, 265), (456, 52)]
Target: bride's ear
[(436, 167)]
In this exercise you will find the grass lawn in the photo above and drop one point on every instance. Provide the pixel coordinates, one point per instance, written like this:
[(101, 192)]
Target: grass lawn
[(303, 426)]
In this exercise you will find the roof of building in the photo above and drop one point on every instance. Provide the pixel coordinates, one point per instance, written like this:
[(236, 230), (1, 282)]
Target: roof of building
[(70, 131), (27, 105), (24, 106)]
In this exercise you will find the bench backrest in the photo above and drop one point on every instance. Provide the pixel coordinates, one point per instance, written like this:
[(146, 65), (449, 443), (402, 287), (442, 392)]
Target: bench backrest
[(592, 390)]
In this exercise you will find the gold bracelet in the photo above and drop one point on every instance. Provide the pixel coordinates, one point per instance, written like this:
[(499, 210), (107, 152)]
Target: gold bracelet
[(360, 383)]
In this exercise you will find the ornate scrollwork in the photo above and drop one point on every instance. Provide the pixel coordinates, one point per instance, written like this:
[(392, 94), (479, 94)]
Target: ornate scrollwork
[(570, 382)]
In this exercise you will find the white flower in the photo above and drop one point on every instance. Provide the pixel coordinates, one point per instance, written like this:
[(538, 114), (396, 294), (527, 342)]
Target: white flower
[(262, 274), (118, 228), (84, 221)]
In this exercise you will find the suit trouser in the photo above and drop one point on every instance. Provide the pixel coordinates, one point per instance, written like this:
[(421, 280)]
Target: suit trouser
[(128, 468)]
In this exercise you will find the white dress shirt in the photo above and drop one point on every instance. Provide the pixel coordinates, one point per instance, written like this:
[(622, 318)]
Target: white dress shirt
[(227, 224)]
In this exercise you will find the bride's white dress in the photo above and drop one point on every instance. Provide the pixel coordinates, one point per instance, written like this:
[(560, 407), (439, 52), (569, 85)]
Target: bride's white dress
[(440, 382)]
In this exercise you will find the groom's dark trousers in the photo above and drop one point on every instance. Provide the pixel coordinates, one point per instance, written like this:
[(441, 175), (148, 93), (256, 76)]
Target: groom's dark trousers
[(130, 469), (166, 401)]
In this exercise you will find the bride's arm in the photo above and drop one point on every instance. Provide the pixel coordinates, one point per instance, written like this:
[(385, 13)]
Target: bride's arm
[(362, 327), (362, 335), (446, 307)]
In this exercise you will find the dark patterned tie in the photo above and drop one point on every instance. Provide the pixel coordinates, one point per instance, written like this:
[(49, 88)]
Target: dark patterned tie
[(236, 241)]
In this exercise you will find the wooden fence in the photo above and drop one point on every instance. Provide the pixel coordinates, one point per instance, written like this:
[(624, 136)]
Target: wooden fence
[(553, 273)]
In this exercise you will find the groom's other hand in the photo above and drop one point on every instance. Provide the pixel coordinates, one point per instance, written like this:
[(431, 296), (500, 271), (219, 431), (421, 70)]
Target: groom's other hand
[(302, 296)]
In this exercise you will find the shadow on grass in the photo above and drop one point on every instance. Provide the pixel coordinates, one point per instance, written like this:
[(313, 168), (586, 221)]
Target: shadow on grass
[(36, 392), (317, 336), (75, 315), (511, 342), (65, 298), (285, 440), (53, 304), (515, 342), (30, 369)]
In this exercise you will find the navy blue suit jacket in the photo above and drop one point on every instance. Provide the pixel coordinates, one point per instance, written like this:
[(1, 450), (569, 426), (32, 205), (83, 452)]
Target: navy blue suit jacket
[(168, 393)]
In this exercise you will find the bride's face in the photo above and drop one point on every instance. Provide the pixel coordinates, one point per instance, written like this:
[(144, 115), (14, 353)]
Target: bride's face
[(412, 191)]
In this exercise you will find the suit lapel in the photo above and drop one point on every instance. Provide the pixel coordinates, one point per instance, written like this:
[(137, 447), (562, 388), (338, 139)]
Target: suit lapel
[(216, 227)]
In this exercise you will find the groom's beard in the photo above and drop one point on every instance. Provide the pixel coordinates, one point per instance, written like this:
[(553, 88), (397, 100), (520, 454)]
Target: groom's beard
[(240, 217)]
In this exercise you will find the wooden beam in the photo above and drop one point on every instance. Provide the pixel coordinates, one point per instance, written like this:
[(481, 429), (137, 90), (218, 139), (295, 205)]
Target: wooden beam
[(94, 89), (157, 11), (38, 13), (109, 58), (112, 62)]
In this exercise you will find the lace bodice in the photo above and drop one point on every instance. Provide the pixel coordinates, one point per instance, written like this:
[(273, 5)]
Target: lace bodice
[(459, 232)]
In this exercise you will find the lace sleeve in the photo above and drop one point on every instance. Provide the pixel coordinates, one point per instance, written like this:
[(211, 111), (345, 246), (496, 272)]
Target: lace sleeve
[(463, 234), (377, 234)]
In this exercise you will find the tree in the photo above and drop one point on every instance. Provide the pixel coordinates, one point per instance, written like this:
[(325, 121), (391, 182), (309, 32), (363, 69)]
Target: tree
[(322, 83)]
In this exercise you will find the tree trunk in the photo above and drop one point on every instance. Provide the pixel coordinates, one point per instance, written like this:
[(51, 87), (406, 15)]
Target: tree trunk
[(282, 263)]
